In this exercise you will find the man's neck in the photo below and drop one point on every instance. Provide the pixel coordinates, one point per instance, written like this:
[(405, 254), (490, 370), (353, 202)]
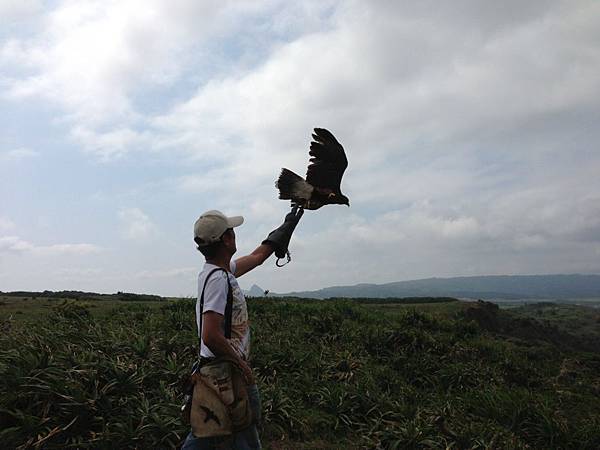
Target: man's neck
[(224, 262)]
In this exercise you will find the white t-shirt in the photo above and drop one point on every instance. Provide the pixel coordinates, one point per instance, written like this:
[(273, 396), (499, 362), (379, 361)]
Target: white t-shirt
[(215, 299)]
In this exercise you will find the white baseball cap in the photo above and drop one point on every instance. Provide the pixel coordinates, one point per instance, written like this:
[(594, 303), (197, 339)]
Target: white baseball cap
[(211, 225)]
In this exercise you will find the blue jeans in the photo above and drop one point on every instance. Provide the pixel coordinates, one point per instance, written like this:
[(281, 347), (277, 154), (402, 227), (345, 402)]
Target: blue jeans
[(246, 439)]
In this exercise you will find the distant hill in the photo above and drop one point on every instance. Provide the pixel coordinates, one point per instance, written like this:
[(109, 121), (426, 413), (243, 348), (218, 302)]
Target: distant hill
[(255, 291), (480, 287)]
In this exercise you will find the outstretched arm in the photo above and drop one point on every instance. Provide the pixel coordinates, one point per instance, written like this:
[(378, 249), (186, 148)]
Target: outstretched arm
[(256, 258)]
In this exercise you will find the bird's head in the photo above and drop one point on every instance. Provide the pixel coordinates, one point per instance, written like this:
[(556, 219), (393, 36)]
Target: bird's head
[(343, 200)]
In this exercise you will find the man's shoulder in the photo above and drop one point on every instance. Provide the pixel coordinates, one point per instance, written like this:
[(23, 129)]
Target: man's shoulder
[(214, 276), (214, 287), (209, 271)]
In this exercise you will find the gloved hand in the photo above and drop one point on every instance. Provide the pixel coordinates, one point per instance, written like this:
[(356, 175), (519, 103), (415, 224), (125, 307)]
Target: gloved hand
[(279, 238)]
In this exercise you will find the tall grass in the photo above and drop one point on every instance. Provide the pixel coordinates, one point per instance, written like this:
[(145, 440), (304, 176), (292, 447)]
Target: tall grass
[(332, 375)]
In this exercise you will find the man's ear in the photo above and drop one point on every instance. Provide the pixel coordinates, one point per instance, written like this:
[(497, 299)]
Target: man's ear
[(227, 236)]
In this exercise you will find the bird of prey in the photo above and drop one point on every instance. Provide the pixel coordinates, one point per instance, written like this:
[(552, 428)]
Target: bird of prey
[(323, 177), (210, 415)]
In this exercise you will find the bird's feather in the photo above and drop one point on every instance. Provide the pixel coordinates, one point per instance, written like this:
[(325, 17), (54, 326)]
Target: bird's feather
[(328, 161)]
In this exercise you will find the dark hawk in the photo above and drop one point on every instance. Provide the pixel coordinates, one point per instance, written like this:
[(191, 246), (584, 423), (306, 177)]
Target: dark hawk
[(323, 177)]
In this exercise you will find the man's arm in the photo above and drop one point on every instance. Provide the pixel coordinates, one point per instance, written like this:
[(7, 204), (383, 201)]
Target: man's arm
[(256, 258), (212, 335)]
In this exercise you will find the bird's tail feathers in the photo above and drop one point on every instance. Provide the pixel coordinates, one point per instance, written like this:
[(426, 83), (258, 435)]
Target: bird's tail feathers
[(292, 186)]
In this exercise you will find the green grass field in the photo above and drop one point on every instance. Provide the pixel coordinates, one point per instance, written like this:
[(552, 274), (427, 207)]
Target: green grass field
[(34, 308), (333, 374)]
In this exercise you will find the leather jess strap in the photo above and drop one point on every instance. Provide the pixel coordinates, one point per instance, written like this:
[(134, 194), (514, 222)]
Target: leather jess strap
[(228, 308)]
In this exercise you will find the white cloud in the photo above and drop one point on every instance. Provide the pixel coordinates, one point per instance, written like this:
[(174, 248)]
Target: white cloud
[(6, 224), (136, 225), (470, 128), (68, 249), (13, 10), (180, 272), (94, 57), (14, 244), (455, 139), (349, 76), (405, 117), (17, 154), (109, 145), (79, 272)]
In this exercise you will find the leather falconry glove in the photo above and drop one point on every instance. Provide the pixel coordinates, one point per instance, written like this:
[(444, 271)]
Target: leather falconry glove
[(280, 237)]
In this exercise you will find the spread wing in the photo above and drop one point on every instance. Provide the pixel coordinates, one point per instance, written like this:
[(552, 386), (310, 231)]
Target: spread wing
[(328, 161)]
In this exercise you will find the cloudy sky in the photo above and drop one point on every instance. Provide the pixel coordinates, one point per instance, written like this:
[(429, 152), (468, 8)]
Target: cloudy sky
[(471, 129)]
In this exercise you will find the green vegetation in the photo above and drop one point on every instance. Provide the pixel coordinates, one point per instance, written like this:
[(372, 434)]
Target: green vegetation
[(577, 324), (396, 300), (80, 295), (333, 374)]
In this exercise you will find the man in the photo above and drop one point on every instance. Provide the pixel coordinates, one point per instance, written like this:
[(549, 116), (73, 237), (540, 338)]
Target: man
[(215, 237)]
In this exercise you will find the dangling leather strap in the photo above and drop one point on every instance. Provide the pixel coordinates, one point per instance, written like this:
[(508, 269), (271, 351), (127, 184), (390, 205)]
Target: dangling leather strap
[(228, 308), (289, 258)]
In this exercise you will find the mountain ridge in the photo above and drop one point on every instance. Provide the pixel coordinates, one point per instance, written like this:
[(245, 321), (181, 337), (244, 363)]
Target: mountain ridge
[(559, 286)]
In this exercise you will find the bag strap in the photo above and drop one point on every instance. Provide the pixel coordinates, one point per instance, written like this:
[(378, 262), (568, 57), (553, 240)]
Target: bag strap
[(228, 308)]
